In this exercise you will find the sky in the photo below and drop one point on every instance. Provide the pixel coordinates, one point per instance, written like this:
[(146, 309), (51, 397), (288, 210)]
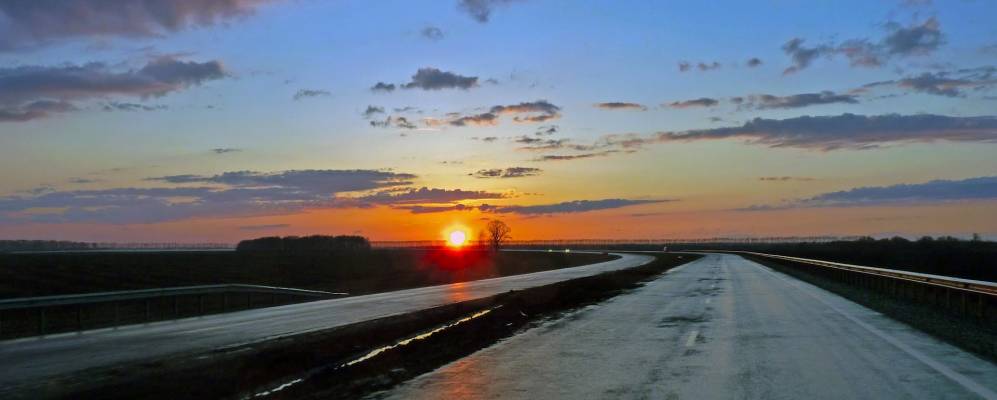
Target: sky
[(219, 120)]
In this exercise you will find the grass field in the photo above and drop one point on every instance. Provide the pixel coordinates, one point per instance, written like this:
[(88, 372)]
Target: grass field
[(25, 275)]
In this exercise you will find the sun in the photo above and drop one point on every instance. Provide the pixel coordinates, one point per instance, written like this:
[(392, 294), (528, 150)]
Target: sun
[(456, 238)]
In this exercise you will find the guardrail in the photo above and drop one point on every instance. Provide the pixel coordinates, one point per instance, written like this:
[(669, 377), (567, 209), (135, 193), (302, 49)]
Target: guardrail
[(112, 303), (949, 292)]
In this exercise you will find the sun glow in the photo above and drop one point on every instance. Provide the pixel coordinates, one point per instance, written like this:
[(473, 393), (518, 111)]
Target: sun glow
[(456, 238)]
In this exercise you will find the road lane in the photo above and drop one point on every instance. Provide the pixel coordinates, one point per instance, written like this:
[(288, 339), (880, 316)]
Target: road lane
[(720, 328), (32, 359)]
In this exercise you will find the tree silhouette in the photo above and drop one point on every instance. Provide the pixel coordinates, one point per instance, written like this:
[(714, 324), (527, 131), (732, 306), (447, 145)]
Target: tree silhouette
[(497, 233)]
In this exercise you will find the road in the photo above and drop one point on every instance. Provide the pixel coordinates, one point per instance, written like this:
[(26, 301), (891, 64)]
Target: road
[(33, 359), (721, 327)]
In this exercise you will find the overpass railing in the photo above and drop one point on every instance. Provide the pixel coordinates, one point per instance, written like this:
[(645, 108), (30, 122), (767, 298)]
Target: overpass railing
[(967, 296), (31, 316)]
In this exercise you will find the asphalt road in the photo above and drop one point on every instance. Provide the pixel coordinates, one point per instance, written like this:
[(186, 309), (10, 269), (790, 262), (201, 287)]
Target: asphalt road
[(33, 359), (721, 327)]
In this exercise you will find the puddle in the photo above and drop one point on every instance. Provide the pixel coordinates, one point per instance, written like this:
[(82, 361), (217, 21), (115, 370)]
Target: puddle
[(369, 355)]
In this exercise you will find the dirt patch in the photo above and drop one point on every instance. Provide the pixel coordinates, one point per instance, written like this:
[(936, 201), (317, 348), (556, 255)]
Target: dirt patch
[(677, 320)]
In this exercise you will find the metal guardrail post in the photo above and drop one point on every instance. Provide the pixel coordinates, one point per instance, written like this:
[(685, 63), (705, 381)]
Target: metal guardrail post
[(41, 321)]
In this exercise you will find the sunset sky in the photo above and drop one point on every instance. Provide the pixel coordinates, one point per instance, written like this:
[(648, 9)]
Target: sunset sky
[(196, 121)]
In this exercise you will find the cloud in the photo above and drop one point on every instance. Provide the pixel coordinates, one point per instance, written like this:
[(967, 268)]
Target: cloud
[(425, 195), (225, 150), (802, 56), (373, 110), (706, 67), (569, 157), (753, 62), (915, 40), (397, 122), (408, 109), (542, 111), (122, 106), (327, 180), (511, 172), (539, 144), (621, 106), (266, 227), (952, 83), (484, 119), (435, 209), (539, 106), (568, 207), (34, 110), (685, 66), (30, 92), (537, 118), (238, 193), (937, 191), (546, 130), (306, 93), (432, 33), (785, 178), (700, 102), (981, 188), (433, 79), (383, 87), (849, 131), (480, 10), (33, 23), (537, 111), (767, 101), (603, 146)]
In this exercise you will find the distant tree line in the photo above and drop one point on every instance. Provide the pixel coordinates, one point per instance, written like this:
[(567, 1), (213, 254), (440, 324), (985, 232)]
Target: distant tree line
[(305, 244), (43, 245)]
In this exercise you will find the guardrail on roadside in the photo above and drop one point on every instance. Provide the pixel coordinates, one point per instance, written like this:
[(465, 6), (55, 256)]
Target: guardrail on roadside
[(949, 292), (116, 300)]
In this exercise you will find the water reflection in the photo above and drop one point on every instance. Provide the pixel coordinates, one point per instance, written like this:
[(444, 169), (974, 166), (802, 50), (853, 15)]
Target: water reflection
[(373, 353), (458, 292)]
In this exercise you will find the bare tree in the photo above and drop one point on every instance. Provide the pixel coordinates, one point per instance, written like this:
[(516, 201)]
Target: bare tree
[(497, 233)]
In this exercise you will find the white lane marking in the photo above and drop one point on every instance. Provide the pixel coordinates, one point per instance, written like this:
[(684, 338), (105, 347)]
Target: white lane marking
[(961, 379), (707, 301), (692, 339)]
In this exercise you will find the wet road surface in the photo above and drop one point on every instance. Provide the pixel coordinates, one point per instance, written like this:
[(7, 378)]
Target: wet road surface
[(33, 359), (721, 327)]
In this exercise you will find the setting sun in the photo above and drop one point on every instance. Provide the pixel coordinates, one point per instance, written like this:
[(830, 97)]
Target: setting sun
[(456, 238)]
